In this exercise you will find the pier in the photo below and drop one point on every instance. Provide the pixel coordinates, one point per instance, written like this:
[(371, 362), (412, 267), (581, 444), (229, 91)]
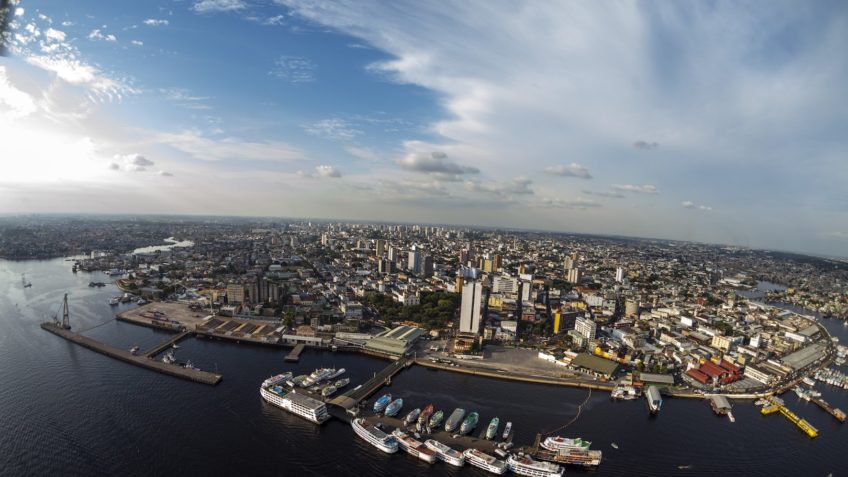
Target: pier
[(177, 371), (836, 413), (352, 399), (294, 355), (168, 344), (775, 406)]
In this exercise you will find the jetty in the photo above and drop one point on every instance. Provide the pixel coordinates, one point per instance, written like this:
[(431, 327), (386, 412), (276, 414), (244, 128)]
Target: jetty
[(174, 370), (776, 405), (294, 355), (168, 344), (836, 413), (350, 400)]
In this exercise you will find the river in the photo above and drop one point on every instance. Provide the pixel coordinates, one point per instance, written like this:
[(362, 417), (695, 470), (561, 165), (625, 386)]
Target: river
[(65, 410)]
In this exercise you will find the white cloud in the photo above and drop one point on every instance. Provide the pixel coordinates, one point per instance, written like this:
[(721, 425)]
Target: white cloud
[(434, 163), (577, 203), (643, 189), (640, 144), (164, 174), (363, 153), (333, 128), (155, 22), (14, 101), (204, 6), (203, 148), (572, 170), (96, 34), (275, 20), (134, 160), (611, 195), (114, 166), (137, 42), (54, 35), (294, 69), (507, 189), (691, 205), (328, 171)]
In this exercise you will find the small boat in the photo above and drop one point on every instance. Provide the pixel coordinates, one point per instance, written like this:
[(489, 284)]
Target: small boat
[(169, 358), (394, 407), (175, 346), (412, 416), (614, 445), (469, 423), (329, 390), (134, 349), (189, 365), (507, 430), (115, 300), (341, 383), (425, 415), (492, 430), (684, 467), (436, 419), (381, 403)]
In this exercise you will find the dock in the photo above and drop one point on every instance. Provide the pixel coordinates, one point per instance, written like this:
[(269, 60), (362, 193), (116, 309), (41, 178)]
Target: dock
[(168, 344), (454, 440), (174, 370), (836, 413), (294, 355), (352, 399), (775, 406)]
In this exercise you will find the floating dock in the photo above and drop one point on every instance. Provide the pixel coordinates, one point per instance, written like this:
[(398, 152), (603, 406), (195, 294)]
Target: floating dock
[(836, 413), (777, 406), (177, 371), (294, 355)]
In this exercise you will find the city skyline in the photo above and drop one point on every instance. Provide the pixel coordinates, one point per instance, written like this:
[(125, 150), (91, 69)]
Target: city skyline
[(709, 123)]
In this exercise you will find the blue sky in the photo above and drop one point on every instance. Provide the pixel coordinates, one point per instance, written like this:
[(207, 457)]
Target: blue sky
[(708, 121)]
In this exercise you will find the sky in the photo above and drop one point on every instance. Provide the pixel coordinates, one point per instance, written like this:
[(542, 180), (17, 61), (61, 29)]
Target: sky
[(711, 121)]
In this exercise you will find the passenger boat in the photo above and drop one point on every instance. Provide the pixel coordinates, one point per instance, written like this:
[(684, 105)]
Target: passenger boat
[(469, 423), (455, 419), (414, 447), (381, 403), (436, 419), (478, 458), (446, 453), (328, 391), (425, 415), (556, 444), (394, 407), (341, 383), (412, 416), (374, 436), (523, 464), (492, 430), (298, 404), (276, 379)]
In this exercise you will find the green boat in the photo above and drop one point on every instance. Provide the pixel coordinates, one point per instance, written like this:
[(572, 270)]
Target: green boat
[(492, 430), (469, 423), (436, 419)]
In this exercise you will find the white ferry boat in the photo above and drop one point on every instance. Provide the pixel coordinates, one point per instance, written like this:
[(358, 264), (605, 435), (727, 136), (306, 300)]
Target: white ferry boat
[(374, 436), (336, 373), (445, 453), (524, 465), (556, 444), (484, 461), (277, 379), (304, 406), (414, 447), (319, 375), (625, 393)]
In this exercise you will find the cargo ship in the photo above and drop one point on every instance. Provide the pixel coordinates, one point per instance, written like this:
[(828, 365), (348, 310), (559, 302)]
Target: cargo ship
[(414, 447), (469, 423), (492, 430), (304, 406), (445, 453), (436, 419), (425, 415), (374, 436), (557, 444), (523, 464), (394, 407), (455, 419), (484, 461), (382, 402), (412, 416)]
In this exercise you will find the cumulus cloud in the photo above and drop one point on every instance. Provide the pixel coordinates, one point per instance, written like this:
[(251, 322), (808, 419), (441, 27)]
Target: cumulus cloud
[(576, 203), (165, 174), (333, 128), (328, 171), (155, 22), (114, 166), (640, 144), (137, 42), (572, 170), (294, 69), (96, 34), (436, 162), (135, 160), (688, 204), (516, 186), (54, 35), (643, 189), (204, 6), (275, 20)]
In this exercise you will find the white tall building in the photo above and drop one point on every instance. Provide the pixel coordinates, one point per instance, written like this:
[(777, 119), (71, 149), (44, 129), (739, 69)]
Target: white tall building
[(586, 327), (505, 284), (619, 274), (574, 275), (469, 318)]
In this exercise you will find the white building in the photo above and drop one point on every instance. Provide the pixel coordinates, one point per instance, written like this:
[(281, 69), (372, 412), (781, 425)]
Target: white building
[(619, 274), (505, 284), (586, 327), (469, 318)]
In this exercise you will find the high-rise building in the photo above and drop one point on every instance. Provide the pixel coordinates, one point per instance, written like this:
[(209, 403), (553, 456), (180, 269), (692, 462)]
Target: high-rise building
[(505, 284), (413, 263), (393, 254), (574, 275), (379, 248), (586, 327), (619, 274), (235, 294), (427, 266), (471, 310)]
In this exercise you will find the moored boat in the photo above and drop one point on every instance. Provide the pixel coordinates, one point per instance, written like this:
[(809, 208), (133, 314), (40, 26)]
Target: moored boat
[(341, 383), (469, 423), (425, 415), (436, 418), (523, 464), (414, 447), (328, 391), (492, 430), (374, 436), (381, 403), (455, 419), (446, 453), (478, 458), (288, 399), (412, 416), (507, 430), (557, 443), (394, 407)]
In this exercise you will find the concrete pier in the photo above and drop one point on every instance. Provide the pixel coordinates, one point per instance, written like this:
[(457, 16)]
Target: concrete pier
[(167, 344), (177, 371), (294, 355)]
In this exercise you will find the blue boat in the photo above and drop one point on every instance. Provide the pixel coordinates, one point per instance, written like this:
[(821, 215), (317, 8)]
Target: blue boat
[(381, 403), (394, 407)]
